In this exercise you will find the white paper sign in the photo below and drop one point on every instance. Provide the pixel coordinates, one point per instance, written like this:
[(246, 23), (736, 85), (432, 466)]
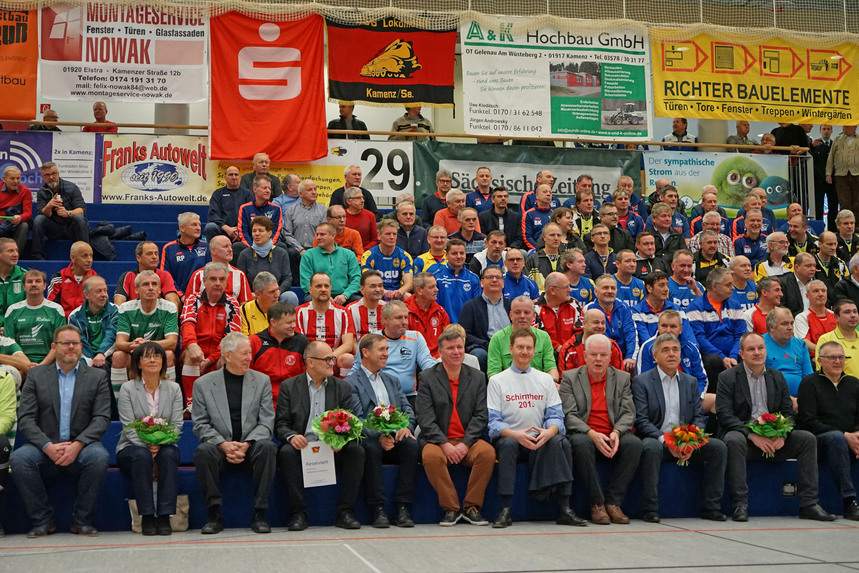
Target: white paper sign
[(317, 461)]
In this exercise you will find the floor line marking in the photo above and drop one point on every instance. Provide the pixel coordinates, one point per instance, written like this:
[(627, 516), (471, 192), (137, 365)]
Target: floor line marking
[(362, 558)]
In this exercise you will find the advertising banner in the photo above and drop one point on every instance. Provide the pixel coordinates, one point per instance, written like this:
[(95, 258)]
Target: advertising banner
[(733, 174), (19, 56), (388, 62), (268, 75), (152, 169), (122, 53), (584, 80), (515, 167), (732, 76)]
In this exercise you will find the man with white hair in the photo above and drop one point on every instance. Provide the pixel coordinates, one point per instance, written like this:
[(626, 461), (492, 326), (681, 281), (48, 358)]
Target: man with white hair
[(709, 204), (848, 240), (777, 262), (99, 114), (435, 202), (261, 163), (359, 218), (180, 258), (848, 287), (449, 216), (712, 221), (741, 137), (60, 211), (411, 236), (830, 268), (352, 176), (221, 251), (16, 202)]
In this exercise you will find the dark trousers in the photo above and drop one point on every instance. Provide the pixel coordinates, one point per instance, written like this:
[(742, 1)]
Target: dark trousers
[(823, 189), (349, 463), (715, 453), (625, 462), (556, 454), (405, 454), (713, 366), (835, 454), (798, 444), (847, 187), (5, 450), (18, 232), (210, 461), (75, 229), (32, 466), (137, 463)]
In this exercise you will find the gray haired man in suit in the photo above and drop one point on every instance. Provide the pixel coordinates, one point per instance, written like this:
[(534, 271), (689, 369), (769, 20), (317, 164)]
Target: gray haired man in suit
[(371, 388), (63, 413), (599, 414), (234, 419), (666, 397)]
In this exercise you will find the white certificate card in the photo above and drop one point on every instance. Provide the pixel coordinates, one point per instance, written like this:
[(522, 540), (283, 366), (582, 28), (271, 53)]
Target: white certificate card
[(317, 461)]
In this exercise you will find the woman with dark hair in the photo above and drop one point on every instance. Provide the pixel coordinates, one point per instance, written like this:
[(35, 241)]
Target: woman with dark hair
[(565, 219), (149, 393)]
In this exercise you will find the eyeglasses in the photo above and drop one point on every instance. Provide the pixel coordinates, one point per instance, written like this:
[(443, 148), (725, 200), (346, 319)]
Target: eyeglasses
[(327, 359), (443, 181), (69, 343), (833, 358), (493, 278)]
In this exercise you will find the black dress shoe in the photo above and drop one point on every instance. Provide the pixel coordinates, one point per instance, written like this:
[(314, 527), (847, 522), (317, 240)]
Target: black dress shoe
[(42, 530), (84, 530), (851, 511), (162, 525), (714, 515), (451, 517), (380, 518), (815, 512), (298, 522), (504, 519), (346, 520), (215, 523), (147, 525), (650, 517), (259, 523), (741, 513), (473, 516), (403, 517), (568, 517)]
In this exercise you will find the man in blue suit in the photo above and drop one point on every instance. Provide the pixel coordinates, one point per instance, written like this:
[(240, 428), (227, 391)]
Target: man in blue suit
[(370, 388), (666, 397)]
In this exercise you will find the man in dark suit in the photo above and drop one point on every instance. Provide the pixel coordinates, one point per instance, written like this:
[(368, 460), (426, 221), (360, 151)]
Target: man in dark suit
[(234, 420), (302, 399), (63, 412), (485, 315), (665, 398), (746, 391), (599, 414), (794, 285), (501, 218), (371, 388), (452, 414)]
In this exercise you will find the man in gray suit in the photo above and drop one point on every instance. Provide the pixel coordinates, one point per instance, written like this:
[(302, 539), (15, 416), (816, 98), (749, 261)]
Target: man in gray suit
[(666, 397), (64, 410), (372, 387), (302, 399), (234, 419), (599, 414)]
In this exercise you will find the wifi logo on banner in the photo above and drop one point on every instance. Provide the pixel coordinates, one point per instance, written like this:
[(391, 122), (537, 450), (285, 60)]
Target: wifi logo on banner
[(267, 90), (26, 151)]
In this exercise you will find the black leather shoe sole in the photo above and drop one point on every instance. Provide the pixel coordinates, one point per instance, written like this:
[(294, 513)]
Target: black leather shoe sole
[(212, 527), (42, 531), (298, 523)]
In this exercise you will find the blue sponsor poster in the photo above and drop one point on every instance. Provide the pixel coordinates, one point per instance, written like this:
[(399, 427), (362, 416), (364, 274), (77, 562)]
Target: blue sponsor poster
[(74, 154)]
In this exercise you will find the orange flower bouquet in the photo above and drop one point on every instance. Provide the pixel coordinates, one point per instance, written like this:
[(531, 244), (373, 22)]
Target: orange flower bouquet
[(685, 438)]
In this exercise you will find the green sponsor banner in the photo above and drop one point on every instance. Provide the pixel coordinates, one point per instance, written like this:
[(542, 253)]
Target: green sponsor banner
[(515, 167)]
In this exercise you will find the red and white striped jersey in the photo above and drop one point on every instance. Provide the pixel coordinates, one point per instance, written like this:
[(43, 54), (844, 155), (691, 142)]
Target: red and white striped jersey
[(363, 319), (237, 285), (329, 327)]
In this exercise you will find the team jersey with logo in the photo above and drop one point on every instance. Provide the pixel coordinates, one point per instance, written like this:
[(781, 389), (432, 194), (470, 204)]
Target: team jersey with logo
[(630, 293), (681, 295), (156, 325), (278, 360), (393, 267), (237, 285), (328, 327), (583, 291), (363, 319), (182, 260), (426, 261), (125, 285), (746, 297), (32, 327)]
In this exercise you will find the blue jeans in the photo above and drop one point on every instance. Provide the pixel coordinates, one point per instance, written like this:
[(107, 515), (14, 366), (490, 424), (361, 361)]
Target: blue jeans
[(482, 356), (137, 462), (835, 454), (31, 466)]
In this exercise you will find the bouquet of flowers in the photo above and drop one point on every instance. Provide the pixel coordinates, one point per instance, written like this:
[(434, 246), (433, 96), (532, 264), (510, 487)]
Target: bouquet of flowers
[(154, 431), (685, 438), (387, 419), (771, 426), (337, 427)]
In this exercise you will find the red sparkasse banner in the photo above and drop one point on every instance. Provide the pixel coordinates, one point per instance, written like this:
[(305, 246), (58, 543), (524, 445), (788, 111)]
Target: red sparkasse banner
[(267, 89), (388, 62), (19, 61)]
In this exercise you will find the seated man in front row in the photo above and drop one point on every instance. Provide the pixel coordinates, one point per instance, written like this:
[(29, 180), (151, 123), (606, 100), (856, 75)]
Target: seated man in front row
[(666, 397), (62, 439)]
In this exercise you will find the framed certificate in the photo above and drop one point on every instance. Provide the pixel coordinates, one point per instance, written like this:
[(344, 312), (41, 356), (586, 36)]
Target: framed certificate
[(317, 461)]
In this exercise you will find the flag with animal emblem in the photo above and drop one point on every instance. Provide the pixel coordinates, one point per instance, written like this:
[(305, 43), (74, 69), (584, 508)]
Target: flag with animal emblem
[(268, 92), (389, 62)]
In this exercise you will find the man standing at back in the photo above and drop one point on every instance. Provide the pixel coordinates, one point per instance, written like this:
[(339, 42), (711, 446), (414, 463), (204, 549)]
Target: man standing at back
[(223, 217), (261, 163)]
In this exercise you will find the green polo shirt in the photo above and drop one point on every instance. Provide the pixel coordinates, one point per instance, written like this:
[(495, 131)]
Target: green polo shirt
[(499, 352), (11, 290)]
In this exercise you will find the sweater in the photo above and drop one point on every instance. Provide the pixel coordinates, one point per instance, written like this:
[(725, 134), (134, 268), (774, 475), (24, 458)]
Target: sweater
[(340, 265)]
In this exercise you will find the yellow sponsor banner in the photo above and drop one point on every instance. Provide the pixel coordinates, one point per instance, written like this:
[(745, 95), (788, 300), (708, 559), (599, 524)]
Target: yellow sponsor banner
[(778, 79)]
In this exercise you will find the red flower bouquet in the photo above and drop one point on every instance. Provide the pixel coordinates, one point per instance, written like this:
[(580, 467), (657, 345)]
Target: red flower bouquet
[(154, 431), (771, 426), (685, 438), (337, 427), (387, 419)]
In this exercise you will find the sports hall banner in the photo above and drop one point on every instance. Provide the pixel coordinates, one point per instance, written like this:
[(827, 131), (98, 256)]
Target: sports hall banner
[(733, 174), (19, 56), (732, 76), (122, 53), (515, 167), (386, 167), (152, 169), (388, 62), (267, 90), (584, 80)]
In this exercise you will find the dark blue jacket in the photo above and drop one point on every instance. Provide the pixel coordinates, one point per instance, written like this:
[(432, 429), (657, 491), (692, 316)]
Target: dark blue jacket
[(474, 318), (650, 403), (224, 205)]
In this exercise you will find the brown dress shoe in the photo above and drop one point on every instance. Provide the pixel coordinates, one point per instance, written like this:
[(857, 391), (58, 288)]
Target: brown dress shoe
[(616, 515), (599, 515)]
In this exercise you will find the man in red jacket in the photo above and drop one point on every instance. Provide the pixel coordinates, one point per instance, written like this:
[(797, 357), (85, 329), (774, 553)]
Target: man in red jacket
[(278, 351), (558, 313), (425, 314), (16, 201), (65, 286)]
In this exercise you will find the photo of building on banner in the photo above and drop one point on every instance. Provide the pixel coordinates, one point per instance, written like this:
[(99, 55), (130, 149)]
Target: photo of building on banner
[(580, 81), (388, 62), (118, 53), (781, 79)]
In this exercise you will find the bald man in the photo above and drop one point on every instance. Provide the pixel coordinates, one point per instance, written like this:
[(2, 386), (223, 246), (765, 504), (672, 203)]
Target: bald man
[(65, 286)]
